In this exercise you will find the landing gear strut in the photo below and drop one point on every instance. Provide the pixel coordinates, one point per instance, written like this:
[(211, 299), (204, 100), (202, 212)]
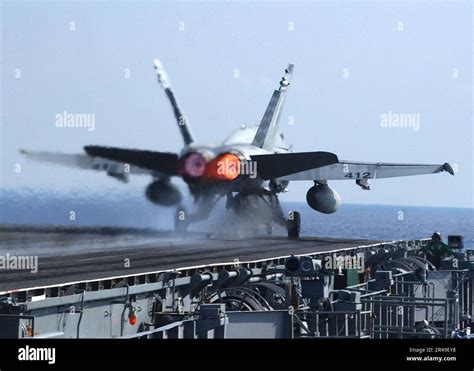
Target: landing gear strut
[(293, 224), (183, 219)]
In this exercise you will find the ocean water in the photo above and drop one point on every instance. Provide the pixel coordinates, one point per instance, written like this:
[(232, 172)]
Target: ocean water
[(112, 208)]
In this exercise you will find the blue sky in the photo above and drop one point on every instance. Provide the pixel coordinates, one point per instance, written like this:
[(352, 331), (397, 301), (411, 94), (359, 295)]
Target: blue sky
[(409, 58)]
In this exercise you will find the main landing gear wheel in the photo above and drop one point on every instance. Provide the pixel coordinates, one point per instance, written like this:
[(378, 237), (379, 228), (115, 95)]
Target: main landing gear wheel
[(181, 220), (293, 224)]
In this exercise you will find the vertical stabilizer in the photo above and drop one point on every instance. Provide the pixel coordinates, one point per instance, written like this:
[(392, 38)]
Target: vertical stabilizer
[(269, 128), (178, 113)]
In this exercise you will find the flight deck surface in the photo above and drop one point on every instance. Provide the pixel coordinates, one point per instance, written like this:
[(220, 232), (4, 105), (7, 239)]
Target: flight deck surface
[(74, 254)]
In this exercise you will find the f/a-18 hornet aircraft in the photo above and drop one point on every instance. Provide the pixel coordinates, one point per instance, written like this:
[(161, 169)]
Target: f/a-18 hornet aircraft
[(251, 167)]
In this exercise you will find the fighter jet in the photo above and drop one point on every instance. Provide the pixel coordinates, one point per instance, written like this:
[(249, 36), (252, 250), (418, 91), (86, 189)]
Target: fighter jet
[(250, 168)]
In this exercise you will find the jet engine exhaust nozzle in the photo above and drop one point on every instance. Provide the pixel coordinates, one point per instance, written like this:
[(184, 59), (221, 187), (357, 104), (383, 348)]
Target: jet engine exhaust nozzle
[(194, 165), (224, 167)]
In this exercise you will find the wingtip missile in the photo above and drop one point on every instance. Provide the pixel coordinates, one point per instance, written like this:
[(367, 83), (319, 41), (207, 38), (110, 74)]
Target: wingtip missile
[(448, 168), (161, 74), (286, 79)]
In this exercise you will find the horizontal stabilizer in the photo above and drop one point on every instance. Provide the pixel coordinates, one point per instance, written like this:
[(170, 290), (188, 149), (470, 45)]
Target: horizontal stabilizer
[(161, 162), (280, 164)]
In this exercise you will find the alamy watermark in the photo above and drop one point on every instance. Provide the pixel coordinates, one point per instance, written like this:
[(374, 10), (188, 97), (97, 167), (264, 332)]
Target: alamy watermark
[(66, 119), (19, 262), (28, 353), (344, 262), (232, 169), (400, 120)]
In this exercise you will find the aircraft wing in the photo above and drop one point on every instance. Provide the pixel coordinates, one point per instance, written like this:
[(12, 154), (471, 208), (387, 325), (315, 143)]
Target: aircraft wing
[(279, 165), (99, 159), (157, 162), (344, 170)]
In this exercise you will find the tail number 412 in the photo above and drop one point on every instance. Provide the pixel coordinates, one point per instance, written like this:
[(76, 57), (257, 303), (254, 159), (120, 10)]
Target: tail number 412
[(365, 175)]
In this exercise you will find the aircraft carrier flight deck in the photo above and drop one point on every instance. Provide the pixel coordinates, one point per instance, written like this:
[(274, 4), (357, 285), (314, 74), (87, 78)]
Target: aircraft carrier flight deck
[(73, 254), (109, 282)]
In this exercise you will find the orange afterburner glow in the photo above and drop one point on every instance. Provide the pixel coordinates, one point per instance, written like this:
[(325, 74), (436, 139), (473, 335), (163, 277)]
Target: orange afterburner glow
[(224, 167)]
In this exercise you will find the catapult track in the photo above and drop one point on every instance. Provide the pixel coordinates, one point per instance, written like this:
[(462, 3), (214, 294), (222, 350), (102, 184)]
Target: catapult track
[(97, 257)]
